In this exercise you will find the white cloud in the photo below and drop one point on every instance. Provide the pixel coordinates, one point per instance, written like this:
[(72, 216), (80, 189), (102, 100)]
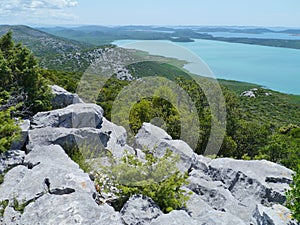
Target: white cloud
[(22, 11), (54, 4)]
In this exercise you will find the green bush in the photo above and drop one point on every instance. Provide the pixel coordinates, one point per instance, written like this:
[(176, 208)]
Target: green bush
[(157, 178), (9, 131), (293, 195)]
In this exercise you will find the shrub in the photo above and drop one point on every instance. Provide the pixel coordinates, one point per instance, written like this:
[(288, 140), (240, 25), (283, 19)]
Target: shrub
[(157, 178), (293, 195), (9, 131)]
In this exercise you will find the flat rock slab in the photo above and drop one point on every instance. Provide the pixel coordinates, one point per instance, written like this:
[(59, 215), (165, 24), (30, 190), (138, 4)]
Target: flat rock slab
[(91, 139), (60, 205), (73, 116)]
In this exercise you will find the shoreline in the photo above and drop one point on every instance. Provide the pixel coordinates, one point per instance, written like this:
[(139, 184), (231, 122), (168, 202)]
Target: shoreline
[(192, 61)]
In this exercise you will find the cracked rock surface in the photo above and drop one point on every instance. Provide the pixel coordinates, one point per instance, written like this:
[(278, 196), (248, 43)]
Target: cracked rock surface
[(69, 200)]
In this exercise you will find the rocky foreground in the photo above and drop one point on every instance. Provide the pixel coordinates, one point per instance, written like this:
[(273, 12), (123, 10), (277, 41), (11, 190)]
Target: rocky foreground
[(38, 172)]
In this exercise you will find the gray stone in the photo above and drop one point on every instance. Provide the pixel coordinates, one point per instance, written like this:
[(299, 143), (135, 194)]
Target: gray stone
[(262, 181), (275, 215), (73, 116), (69, 209), (196, 206), (216, 218), (201, 163), (92, 141), (174, 218), (57, 206), (157, 140), (11, 216), (218, 197), (20, 143), (140, 210), (63, 98), (48, 162), (11, 158), (117, 141)]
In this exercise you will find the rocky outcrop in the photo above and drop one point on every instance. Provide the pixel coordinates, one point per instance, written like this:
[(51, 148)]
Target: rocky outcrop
[(239, 188), (63, 98), (67, 199), (73, 116), (52, 189), (158, 141)]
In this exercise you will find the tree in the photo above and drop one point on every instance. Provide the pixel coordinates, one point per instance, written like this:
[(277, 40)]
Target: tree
[(283, 147), (21, 78)]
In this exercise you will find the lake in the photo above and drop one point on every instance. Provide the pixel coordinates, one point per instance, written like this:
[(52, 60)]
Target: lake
[(271, 67)]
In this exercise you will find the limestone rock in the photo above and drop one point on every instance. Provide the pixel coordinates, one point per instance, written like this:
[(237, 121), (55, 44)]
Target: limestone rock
[(90, 139), (174, 218), (117, 138), (262, 181), (73, 116), (69, 200), (217, 196), (63, 98), (47, 162), (157, 140), (275, 215), (69, 209), (217, 217), (140, 210), (11, 158), (20, 143)]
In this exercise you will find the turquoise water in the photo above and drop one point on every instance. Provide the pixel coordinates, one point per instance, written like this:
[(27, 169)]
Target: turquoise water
[(271, 67), (283, 36)]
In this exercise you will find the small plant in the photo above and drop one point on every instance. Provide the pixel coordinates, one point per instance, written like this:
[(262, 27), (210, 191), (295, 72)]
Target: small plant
[(78, 157), (293, 196), (3, 205), (20, 207), (157, 178), (1, 178)]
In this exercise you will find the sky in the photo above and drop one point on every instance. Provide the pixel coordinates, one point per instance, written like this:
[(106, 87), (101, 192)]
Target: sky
[(266, 13)]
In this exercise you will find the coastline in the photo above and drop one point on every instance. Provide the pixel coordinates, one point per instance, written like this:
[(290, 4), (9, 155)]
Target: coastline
[(282, 85)]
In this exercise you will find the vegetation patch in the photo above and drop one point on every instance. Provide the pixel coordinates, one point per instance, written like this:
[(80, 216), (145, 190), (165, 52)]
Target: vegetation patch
[(157, 178), (293, 195), (3, 205)]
